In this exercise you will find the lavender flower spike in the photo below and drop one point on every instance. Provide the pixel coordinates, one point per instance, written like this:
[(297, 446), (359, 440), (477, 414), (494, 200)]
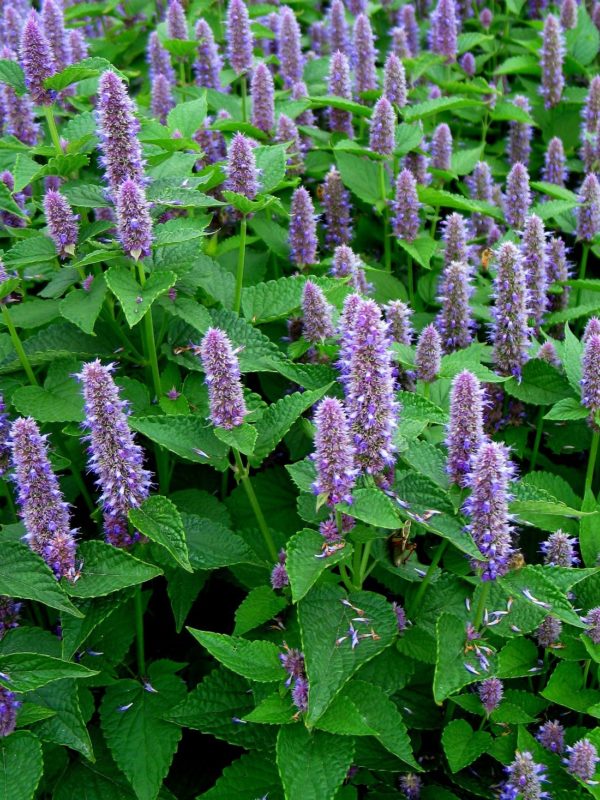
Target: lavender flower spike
[(37, 60), (208, 63), (4, 421), (336, 206), (162, 99), (334, 453), (590, 123), (410, 784), (114, 456), (368, 377), (428, 354), (242, 176), (364, 55), (9, 615), (444, 30), (400, 47), (519, 135), (533, 249), (394, 81), (121, 149), (408, 20), (339, 85), (592, 620), (62, 223), (8, 711), (134, 224), (465, 431), (159, 59), (590, 381), (568, 14), (338, 29), (551, 61), (490, 694), (383, 124), (176, 24), (455, 239), (510, 332), (518, 196), (303, 229), (239, 37), (287, 132), (42, 507), (398, 317), (581, 760), (555, 163), (525, 779), (481, 188), (405, 207), (78, 45), (317, 314), (551, 735), (20, 121), (441, 147), (54, 27), (289, 48), (588, 213), (454, 320), (279, 575), (225, 394), (262, 91), (559, 550)]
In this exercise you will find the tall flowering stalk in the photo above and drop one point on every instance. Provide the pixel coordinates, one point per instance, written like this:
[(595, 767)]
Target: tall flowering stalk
[(394, 81), (336, 206), (465, 430), (208, 63), (134, 224), (590, 123), (303, 229), (263, 103), (383, 124), (555, 163), (428, 355), (287, 132), (162, 99), (533, 249), (346, 264), (9, 705), (551, 62), (338, 28), (53, 21), (557, 268), (339, 85), (398, 317), (525, 779), (159, 59), (405, 208), (441, 147), (334, 453), (43, 509), (289, 50), (176, 22), (520, 133), (78, 45), (399, 46), (239, 43), (455, 236), (408, 20), (317, 313), (222, 370), (364, 55), (62, 223), (113, 454), (510, 331), (588, 213), (19, 120), (481, 187), (518, 196), (37, 60), (454, 321), (444, 30)]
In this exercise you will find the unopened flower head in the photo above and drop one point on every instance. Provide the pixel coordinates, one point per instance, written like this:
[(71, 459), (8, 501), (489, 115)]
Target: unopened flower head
[(405, 207), (510, 330), (239, 37), (410, 786), (551, 62), (336, 208), (428, 354), (555, 163), (383, 123), (364, 55), (289, 50), (4, 421), (62, 223), (398, 317), (303, 229), (592, 328), (481, 187), (279, 575), (394, 81), (319, 38), (560, 550), (518, 196), (346, 264), (113, 454), (551, 735), (467, 62), (263, 93), (487, 508), (334, 453), (222, 369), (486, 18), (10, 28), (208, 63), (520, 133), (443, 32), (525, 779), (159, 59), (176, 23), (465, 429), (568, 14), (43, 509), (37, 60), (588, 212), (134, 224), (590, 369), (242, 175), (581, 760), (548, 632), (300, 92), (589, 125), (441, 147), (317, 314), (340, 121), (490, 693)]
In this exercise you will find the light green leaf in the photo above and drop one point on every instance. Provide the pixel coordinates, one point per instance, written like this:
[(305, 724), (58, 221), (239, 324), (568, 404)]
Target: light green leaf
[(212, 545), (462, 745), (26, 672), (541, 384), (12, 74), (251, 776), (260, 605), (566, 687), (517, 659), (187, 117), (589, 531), (583, 41), (187, 436), (242, 437), (82, 307), (159, 520), (567, 409), (270, 162), (88, 68), (305, 562), (450, 671), (66, 726), (255, 660), (107, 569), (443, 199), (531, 581), (135, 300), (360, 175), (373, 507), (21, 765), (430, 107), (421, 250)]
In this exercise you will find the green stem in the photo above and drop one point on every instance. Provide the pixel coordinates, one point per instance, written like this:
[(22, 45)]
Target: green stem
[(589, 476), (239, 278), (582, 270), (387, 250), (49, 113), (485, 590), (244, 98), (411, 286), (182, 72), (539, 427), (253, 500), (437, 556), (139, 632), (18, 345), (346, 578), (150, 345), (426, 390), (364, 563)]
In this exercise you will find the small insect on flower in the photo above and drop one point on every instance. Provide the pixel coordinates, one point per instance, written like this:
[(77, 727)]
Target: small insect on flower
[(401, 548)]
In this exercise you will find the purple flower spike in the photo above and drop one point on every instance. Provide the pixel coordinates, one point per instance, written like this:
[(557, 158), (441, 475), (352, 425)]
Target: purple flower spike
[(54, 27), (581, 760), (410, 785), (334, 453), (37, 60), (383, 124), (557, 268), (551, 61), (319, 38), (486, 18), (78, 45), (568, 14), (19, 121), (468, 65), (9, 614), (368, 378), (336, 207), (455, 239), (547, 353), (300, 92), (592, 328), (303, 229), (62, 223), (454, 321), (588, 213), (242, 176), (9, 706), (405, 207), (590, 381), (590, 124), (287, 132), (279, 575), (481, 187), (408, 20), (159, 59), (176, 24), (487, 508), (364, 55), (339, 85), (118, 128), (518, 196), (533, 250), (4, 421), (444, 30), (525, 779), (551, 735), (490, 694), (346, 264), (441, 147), (300, 694), (317, 314), (555, 163), (398, 316), (208, 63), (225, 394), (114, 456), (133, 220), (465, 431), (263, 94), (394, 81), (356, 7), (289, 50), (10, 28), (559, 550), (519, 136), (510, 331), (400, 47), (42, 506), (338, 29), (592, 620), (239, 37), (162, 99), (428, 355)]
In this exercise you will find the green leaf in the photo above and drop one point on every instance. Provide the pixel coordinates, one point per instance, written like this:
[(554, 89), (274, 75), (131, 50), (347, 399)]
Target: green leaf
[(66, 726), (260, 605), (567, 688), (187, 436), (21, 765), (7, 203), (519, 65), (251, 776), (333, 101), (373, 507), (462, 745), (23, 574), (517, 659), (242, 437), (571, 356), (324, 619), (531, 581), (212, 545), (421, 250), (443, 199), (62, 405), (428, 460), (313, 765), (416, 407), (279, 418), (257, 660), (505, 111), (107, 569), (12, 74), (360, 175), (141, 742), (583, 41), (189, 311), (29, 671), (589, 532), (450, 671), (85, 195), (88, 68), (271, 163), (159, 520), (305, 562), (273, 300), (136, 300), (567, 409), (82, 307), (187, 117), (430, 107), (541, 384)]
